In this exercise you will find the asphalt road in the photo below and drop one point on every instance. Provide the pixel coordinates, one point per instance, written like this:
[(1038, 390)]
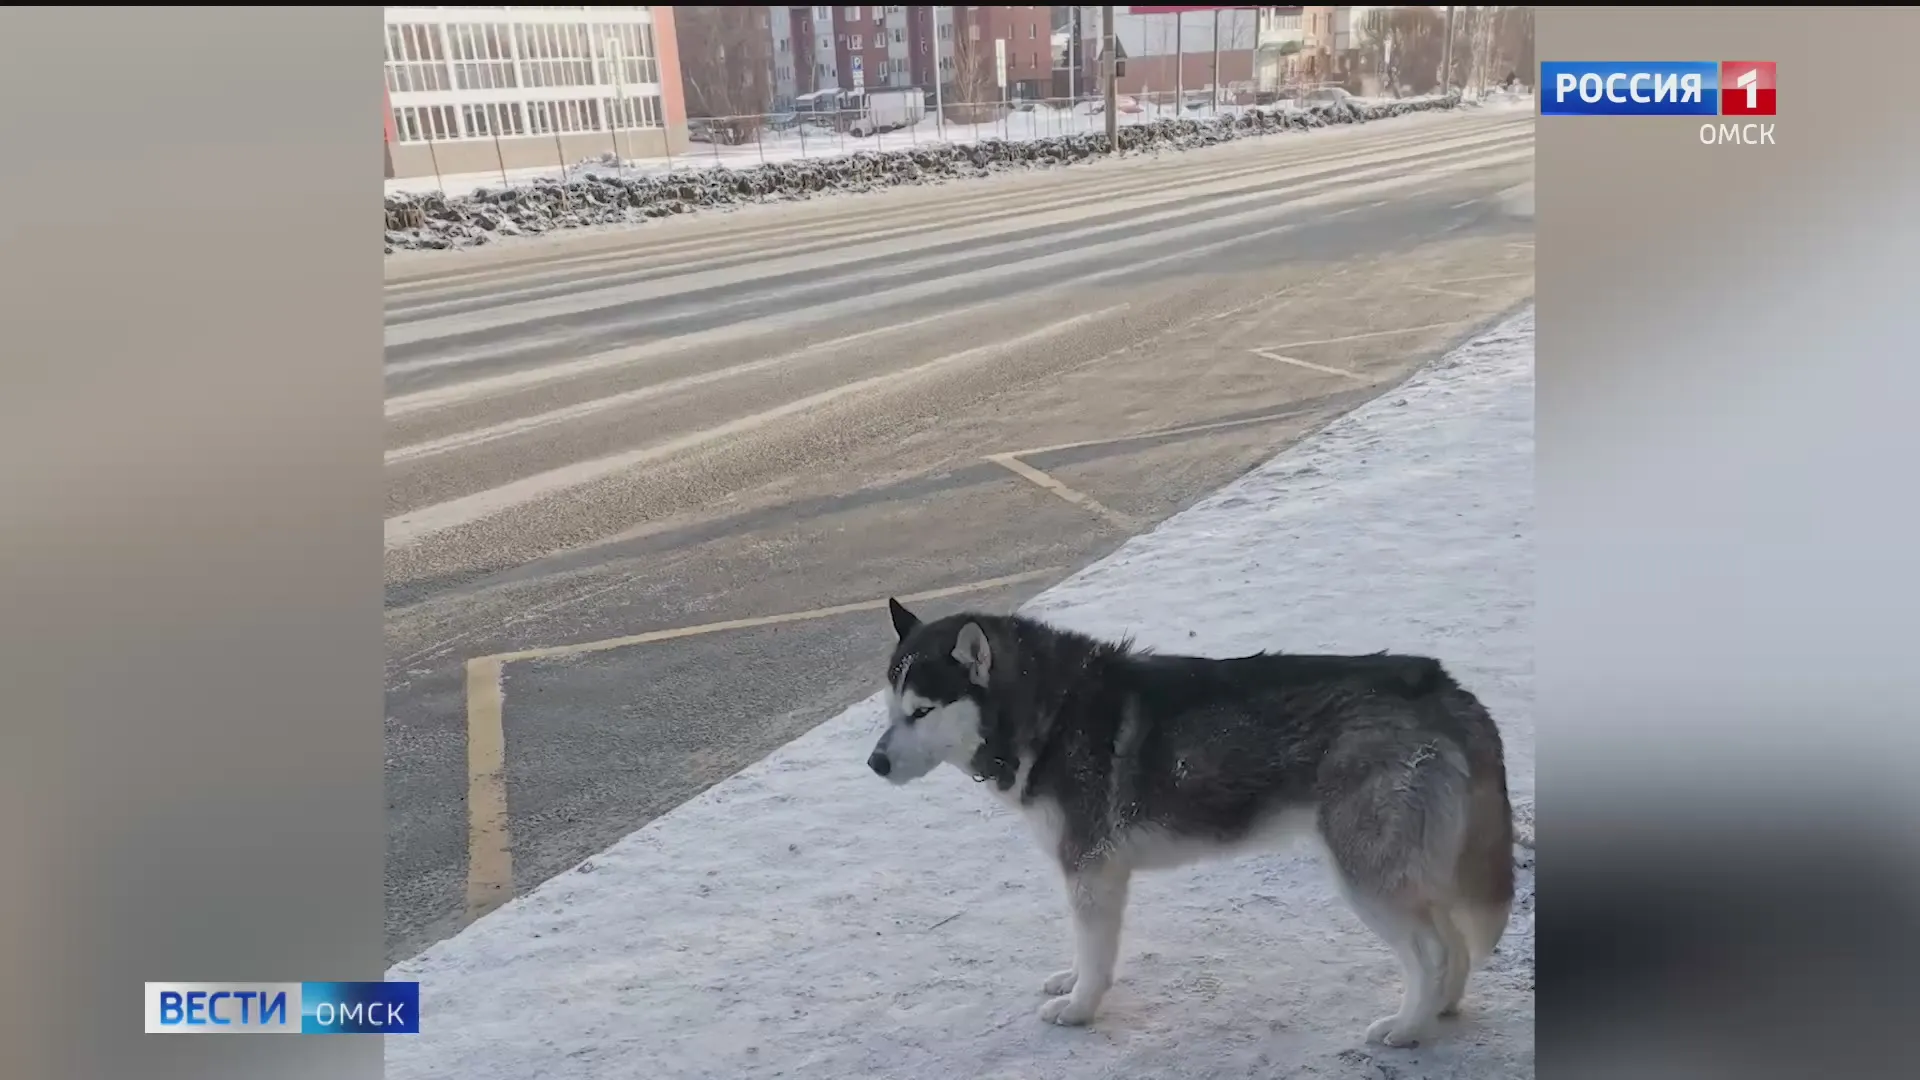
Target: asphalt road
[(735, 418)]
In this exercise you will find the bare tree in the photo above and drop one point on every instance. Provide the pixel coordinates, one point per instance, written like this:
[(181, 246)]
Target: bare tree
[(1237, 32), (1405, 46), (1489, 43), (975, 75), (726, 60), (1513, 42), (1468, 24)]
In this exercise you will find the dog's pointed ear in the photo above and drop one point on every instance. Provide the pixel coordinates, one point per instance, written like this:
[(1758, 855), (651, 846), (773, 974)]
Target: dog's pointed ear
[(904, 621), (974, 654)]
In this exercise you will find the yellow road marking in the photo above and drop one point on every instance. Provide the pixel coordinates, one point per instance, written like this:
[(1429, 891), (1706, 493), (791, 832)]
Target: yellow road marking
[(489, 836), (489, 830)]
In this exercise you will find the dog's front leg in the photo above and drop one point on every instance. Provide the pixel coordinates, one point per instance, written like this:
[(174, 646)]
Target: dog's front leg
[(1097, 898)]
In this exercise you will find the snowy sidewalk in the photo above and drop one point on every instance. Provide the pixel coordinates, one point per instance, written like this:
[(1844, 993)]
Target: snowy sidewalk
[(804, 920)]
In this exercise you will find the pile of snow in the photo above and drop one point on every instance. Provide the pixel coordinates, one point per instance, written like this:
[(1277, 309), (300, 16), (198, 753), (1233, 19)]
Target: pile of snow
[(804, 920), (436, 221)]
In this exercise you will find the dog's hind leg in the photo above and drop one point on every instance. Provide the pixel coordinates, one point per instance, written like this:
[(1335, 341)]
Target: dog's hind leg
[(1428, 961), (1459, 960), (1097, 898)]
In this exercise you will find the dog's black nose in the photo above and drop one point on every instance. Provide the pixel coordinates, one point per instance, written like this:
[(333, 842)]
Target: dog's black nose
[(878, 763)]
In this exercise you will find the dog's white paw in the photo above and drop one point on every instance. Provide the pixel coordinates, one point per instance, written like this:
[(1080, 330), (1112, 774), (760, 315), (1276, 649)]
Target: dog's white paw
[(1060, 982), (1396, 1031), (1067, 1011)]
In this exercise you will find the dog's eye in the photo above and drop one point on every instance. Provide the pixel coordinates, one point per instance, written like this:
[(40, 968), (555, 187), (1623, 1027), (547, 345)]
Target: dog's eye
[(918, 713)]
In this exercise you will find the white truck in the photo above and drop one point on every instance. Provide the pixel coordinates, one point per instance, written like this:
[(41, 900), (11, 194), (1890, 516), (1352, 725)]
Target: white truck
[(884, 109)]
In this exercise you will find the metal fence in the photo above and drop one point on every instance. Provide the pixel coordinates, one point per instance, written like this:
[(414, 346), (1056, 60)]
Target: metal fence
[(761, 139)]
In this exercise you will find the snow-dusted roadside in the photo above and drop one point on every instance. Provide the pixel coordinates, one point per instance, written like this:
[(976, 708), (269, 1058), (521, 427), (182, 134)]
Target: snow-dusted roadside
[(613, 194), (818, 145), (803, 919)]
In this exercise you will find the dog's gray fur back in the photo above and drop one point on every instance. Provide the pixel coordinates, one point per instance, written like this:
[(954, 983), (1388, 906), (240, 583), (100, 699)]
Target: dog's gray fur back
[(1125, 761)]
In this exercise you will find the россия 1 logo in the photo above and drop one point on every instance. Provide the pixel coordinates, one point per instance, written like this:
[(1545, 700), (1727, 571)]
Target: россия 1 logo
[(1657, 88)]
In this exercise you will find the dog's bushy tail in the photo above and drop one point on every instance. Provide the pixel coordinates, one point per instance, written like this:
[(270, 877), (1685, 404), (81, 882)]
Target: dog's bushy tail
[(1483, 877)]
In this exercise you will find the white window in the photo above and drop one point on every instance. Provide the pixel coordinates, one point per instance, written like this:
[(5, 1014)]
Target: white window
[(1033, 31), (486, 121), (899, 35), (557, 54), (973, 32), (565, 117), (858, 43), (482, 55), (823, 14), (415, 59), (853, 14), (569, 117), (637, 112), (425, 124)]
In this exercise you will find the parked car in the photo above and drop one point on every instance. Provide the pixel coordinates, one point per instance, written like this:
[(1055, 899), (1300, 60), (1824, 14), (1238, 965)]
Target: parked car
[(1322, 95)]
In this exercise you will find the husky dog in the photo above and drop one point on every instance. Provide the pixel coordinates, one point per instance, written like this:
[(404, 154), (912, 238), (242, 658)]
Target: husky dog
[(1122, 760)]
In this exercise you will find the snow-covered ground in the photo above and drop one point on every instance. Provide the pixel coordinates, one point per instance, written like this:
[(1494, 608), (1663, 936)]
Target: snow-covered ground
[(804, 920), (810, 143)]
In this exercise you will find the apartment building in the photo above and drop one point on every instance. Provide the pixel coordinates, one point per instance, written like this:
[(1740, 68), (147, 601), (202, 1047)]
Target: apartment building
[(874, 46), (850, 46), (1190, 50), (472, 89), (1051, 51), (870, 46), (1076, 51), (982, 34), (787, 74), (1282, 33), (1322, 50)]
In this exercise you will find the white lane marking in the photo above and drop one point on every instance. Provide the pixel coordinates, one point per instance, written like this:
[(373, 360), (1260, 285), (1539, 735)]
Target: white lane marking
[(1045, 482), (442, 396), (1361, 337), (415, 525), (522, 425), (1311, 366), (618, 296)]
